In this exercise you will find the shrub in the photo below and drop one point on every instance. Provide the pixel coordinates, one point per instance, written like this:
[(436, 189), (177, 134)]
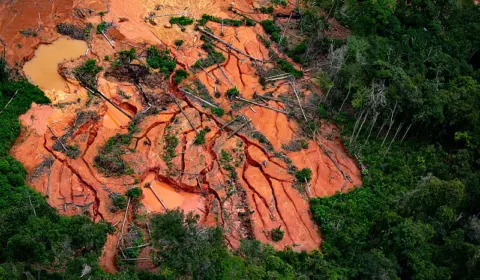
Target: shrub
[(200, 139), (277, 234), (180, 75), (134, 193), (219, 112), (161, 60), (304, 175), (102, 27), (232, 93), (179, 43), (266, 10), (119, 201), (183, 20)]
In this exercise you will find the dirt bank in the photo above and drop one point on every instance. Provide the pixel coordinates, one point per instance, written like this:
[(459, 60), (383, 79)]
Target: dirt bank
[(241, 178)]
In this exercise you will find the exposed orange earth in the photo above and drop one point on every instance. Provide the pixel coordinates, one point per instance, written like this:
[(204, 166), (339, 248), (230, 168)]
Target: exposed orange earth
[(263, 197)]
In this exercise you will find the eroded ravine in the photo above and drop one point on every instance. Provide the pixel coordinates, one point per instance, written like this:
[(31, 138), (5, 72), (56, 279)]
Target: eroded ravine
[(243, 183)]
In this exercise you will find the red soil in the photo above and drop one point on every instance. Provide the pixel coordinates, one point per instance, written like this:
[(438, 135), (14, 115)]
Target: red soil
[(265, 196)]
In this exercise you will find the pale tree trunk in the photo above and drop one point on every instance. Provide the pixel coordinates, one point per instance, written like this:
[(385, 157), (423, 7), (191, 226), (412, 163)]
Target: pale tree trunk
[(391, 123), (394, 136), (361, 126), (371, 127), (356, 125)]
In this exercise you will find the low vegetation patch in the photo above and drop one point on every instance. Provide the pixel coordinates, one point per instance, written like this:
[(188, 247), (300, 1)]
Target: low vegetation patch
[(183, 20), (304, 175), (289, 68), (161, 59), (180, 75), (109, 159), (232, 93), (277, 234), (74, 31), (86, 73)]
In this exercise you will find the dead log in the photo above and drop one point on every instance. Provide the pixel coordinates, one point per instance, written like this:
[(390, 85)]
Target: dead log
[(58, 139), (156, 195), (228, 123), (108, 40), (261, 105), (123, 223), (139, 246), (328, 153), (225, 74), (109, 101), (270, 98), (238, 129), (292, 83), (194, 96), (183, 112), (228, 45)]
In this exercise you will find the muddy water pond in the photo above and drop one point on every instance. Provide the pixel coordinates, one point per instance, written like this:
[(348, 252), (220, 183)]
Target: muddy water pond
[(42, 69)]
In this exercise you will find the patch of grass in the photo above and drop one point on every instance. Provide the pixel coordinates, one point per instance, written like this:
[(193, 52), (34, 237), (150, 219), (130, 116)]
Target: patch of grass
[(87, 72), (304, 175), (183, 20), (232, 93), (289, 68), (161, 60), (180, 75)]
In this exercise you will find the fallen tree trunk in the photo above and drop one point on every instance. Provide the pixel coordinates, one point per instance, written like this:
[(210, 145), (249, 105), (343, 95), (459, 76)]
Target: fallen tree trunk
[(261, 105), (228, 45), (109, 101)]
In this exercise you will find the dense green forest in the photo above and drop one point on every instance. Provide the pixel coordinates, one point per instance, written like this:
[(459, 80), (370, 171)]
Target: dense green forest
[(404, 88)]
